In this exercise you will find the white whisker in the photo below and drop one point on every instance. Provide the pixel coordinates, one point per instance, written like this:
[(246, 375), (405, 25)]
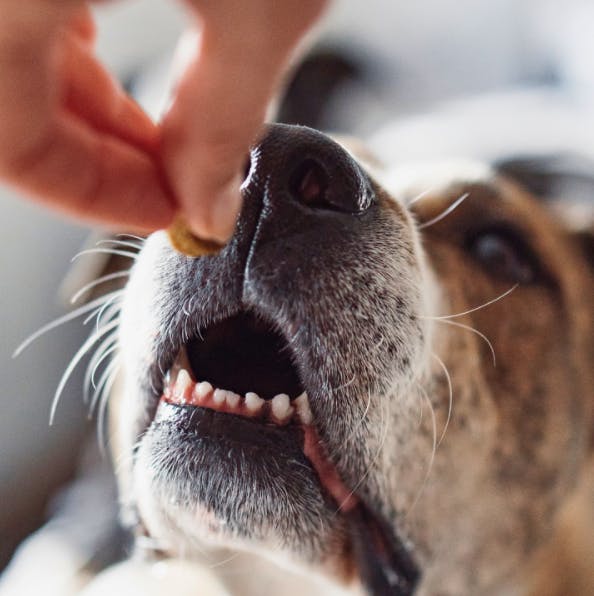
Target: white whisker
[(467, 312), (433, 452), (344, 385), (105, 376), (87, 345), (187, 309), (60, 321), (110, 350), (451, 396), (108, 312), (140, 239), (420, 196), (99, 312), (473, 330), (366, 410), (98, 281), (95, 361), (104, 399), (224, 561), (117, 243), (107, 251), (444, 213), (353, 491)]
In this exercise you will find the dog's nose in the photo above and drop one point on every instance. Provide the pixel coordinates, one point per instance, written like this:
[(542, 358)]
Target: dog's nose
[(300, 164)]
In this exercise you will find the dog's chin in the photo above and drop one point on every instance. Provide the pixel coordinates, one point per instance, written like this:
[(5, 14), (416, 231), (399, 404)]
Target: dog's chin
[(241, 469), (209, 477), (232, 455)]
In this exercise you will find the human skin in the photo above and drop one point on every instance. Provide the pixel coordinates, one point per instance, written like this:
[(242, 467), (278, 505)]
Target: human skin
[(71, 138)]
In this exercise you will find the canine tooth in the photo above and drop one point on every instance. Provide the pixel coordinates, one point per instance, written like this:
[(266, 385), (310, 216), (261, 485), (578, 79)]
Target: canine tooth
[(281, 407), (219, 397), (183, 360), (182, 382), (202, 390), (301, 404), (253, 402), (232, 399)]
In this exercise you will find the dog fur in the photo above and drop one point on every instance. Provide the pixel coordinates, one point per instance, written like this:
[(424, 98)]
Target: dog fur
[(481, 459)]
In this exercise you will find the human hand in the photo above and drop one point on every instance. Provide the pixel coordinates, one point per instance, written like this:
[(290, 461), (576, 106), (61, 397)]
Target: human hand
[(221, 101), (72, 138), (69, 135)]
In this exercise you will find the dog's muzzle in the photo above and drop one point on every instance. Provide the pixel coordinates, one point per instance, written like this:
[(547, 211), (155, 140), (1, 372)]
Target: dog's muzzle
[(255, 355)]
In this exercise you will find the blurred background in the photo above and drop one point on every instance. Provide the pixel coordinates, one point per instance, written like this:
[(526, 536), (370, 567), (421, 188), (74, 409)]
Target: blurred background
[(421, 80)]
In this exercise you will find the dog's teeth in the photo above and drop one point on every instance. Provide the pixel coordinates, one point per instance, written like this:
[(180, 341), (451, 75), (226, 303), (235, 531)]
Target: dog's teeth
[(232, 399), (182, 383), (253, 402), (168, 378), (301, 404), (281, 407), (202, 390), (219, 397)]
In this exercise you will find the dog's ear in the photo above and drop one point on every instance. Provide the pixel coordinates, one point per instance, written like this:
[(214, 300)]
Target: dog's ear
[(585, 240), (552, 177), (565, 182), (313, 84)]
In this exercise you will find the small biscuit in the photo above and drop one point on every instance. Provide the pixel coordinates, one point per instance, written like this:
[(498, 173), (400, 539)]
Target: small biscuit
[(184, 241)]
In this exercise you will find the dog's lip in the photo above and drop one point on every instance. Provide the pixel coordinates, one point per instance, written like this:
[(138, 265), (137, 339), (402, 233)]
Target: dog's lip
[(385, 563), (181, 389)]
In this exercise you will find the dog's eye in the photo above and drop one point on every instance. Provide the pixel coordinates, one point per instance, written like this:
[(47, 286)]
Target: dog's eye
[(504, 254)]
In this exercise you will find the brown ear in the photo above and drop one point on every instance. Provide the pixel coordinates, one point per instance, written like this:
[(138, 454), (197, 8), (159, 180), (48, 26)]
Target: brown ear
[(565, 175), (585, 239), (316, 80)]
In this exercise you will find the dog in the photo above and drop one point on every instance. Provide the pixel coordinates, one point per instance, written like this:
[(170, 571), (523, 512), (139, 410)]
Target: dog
[(383, 384)]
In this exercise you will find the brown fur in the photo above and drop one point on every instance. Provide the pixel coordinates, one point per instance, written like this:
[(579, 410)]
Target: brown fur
[(541, 396), (506, 505)]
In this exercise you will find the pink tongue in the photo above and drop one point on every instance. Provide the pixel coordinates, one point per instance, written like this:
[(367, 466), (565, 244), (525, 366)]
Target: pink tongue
[(331, 481)]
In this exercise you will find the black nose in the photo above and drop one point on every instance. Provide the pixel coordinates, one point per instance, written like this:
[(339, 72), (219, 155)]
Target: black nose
[(303, 165)]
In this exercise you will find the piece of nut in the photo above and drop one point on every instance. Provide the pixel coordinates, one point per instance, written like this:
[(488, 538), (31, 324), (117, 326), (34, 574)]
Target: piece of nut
[(184, 241)]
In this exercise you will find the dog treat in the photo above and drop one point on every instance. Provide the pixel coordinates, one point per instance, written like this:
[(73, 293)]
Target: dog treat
[(184, 241)]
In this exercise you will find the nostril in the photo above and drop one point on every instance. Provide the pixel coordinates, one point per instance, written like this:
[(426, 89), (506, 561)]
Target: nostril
[(310, 171), (309, 184)]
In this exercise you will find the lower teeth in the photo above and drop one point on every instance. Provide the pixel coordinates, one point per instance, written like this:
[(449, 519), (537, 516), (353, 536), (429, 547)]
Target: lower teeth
[(280, 410)]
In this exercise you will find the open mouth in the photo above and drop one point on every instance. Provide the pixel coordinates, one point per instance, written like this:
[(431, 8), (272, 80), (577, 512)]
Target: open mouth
[(243, 367), (238, 382)]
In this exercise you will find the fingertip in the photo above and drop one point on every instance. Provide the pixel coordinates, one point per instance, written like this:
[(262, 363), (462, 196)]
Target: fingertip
[(219, 221), (83, 25)]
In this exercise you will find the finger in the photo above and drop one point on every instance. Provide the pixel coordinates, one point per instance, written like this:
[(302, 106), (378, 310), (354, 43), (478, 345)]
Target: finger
[(93, 176), (50, 153), (203, 128), (29, 89), (96, 97), (83, 26), (221, 102)]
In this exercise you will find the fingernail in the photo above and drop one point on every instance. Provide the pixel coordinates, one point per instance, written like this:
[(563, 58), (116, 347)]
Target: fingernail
[(227, 211), (223, 216)]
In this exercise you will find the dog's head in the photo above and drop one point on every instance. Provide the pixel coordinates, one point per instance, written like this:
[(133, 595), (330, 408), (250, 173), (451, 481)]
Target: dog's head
[(361, 381)]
